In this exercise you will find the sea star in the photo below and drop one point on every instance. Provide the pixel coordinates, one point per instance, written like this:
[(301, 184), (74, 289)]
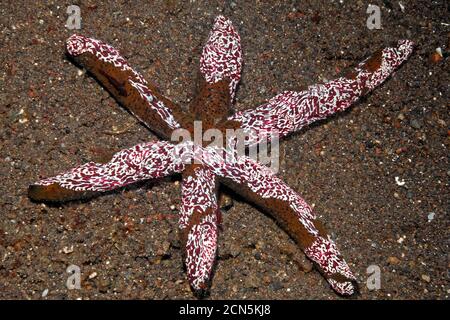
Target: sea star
[(220, 69)]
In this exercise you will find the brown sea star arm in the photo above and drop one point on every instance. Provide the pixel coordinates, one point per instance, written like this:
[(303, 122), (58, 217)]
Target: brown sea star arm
[(262, 187), (290, 111), (309, 233), (144, 161), (126, 85), (198, 224), (220, 72)]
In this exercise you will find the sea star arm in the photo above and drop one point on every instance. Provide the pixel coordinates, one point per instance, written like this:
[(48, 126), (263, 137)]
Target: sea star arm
[(290, 111), (222, 55), (220, 69), (262, 187), (143, 161), (126, 85), (198, 224)]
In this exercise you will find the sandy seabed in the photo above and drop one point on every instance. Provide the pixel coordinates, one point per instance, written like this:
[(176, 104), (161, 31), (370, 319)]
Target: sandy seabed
[(53, 117)]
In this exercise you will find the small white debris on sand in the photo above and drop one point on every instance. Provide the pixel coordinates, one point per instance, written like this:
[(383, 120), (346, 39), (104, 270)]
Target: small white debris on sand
[(426, 278), (67, 250), (401, 239), (400, 182)]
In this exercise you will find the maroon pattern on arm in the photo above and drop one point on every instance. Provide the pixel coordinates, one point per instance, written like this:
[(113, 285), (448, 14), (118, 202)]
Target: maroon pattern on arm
[(220, 69), (126, 84), (290, 111), (198, 224), (143, 161)]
